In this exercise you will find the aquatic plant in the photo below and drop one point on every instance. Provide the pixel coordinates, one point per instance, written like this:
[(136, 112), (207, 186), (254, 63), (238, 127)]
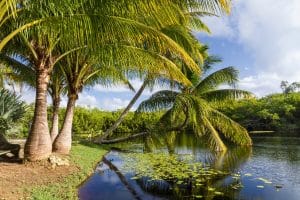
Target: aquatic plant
[(172, 173)]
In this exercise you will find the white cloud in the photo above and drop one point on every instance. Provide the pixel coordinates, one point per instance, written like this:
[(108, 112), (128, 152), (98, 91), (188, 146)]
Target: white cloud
[(114, 88), (269, 30), (87, 100), (219, 26), (113, 103), (28, 96), (136, 83), (261, 84)]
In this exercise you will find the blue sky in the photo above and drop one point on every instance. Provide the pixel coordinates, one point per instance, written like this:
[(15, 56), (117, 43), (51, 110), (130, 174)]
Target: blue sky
[(261, 38)]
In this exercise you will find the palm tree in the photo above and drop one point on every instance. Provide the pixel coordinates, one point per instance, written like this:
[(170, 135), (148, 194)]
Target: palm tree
[(11, 110), (25, 75), (80, 24), (57, 88), (193, 107), (183, 36)]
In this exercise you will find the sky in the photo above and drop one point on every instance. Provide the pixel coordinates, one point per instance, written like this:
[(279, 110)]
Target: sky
[(261, 38)]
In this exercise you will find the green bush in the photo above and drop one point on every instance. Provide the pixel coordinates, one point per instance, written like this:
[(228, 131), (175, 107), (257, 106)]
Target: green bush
[(90, 122), (278, 112), (95, 121)]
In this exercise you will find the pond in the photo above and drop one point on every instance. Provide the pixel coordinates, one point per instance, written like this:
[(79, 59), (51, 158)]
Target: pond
[(268, 170)]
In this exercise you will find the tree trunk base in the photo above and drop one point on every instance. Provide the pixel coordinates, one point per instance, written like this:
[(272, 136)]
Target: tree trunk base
[(61, 149), (42, 153)]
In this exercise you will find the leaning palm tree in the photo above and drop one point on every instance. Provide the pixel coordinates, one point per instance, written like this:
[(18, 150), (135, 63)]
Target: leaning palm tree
[(184, 37), (193, 107)]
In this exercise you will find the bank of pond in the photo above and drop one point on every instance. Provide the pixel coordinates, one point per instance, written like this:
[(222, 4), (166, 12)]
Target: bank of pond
[(187, 169)]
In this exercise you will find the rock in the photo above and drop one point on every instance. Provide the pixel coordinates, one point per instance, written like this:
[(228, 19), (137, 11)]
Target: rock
[(58, 161)]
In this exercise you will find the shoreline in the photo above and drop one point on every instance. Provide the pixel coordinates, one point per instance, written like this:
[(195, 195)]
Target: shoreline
[(39, 180)]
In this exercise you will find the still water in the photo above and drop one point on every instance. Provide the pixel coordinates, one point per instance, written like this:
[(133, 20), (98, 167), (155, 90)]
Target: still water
[(268, 170)]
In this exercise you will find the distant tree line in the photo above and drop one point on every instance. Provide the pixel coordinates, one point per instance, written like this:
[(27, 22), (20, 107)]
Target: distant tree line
[(277, 112)]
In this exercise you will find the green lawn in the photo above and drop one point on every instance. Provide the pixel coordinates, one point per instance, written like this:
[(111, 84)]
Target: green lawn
[(85, 157)]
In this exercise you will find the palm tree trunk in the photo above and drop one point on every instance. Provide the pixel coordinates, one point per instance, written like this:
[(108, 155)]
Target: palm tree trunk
[(123, 139), (123, 114), (38, 145), (63, 142), (55, 118)]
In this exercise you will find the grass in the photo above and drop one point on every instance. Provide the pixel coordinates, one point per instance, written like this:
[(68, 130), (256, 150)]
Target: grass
[(83, 156)]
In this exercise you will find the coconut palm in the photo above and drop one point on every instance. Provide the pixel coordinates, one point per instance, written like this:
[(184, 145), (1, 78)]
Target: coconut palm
[(24, 73), (193, 107)]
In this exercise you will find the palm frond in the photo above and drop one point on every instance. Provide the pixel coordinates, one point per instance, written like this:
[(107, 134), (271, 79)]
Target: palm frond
[(229, 128), (225, 94), (209, 61), (22, 71), (227, 75), (11, 107), (214, 138), (159, 100)]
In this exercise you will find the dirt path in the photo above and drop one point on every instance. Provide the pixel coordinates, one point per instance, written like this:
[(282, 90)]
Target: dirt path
[(17, 178)]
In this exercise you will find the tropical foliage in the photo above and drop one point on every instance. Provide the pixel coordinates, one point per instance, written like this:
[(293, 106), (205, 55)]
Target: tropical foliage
[(11, 109), (289, 88), (192, 107), (46, 32), (90, 122), (277, 112)]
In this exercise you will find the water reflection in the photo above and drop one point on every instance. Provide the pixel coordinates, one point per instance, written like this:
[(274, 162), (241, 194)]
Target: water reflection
[(269, 170)]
